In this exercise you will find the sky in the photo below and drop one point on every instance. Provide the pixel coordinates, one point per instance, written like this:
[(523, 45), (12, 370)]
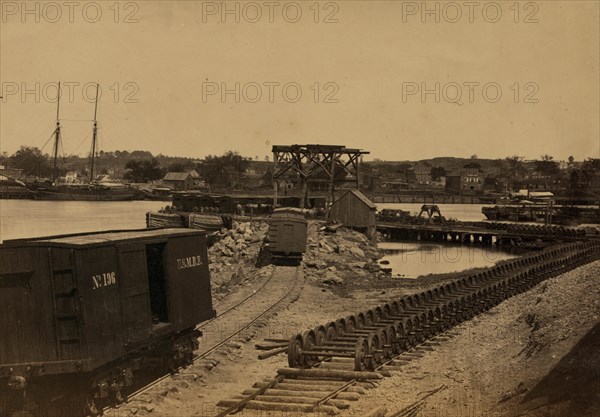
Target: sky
[(404, 80)]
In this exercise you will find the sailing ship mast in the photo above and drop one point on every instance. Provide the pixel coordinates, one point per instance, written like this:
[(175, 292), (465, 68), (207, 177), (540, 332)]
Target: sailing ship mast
[(94, 136), (57, 135)]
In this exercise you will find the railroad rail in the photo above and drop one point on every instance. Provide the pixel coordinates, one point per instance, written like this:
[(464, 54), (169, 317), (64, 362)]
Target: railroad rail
[(332, 364), (290, 294)]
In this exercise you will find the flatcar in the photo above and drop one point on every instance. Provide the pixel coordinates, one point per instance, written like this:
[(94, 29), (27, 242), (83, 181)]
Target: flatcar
[(89, 310), (287, 234)]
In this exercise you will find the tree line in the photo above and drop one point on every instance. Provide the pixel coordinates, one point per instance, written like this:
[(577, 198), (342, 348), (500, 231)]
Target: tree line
[(135, 166)]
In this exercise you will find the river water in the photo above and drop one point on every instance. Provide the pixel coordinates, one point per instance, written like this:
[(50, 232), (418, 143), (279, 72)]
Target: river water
[(412, 259), (30, 218)]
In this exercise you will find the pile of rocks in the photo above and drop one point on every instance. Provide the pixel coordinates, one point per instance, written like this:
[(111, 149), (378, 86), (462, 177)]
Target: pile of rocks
[(333, 258), (232, 256)]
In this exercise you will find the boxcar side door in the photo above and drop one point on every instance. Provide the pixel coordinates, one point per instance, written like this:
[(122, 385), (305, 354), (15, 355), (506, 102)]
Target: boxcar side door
[(135, 298), (188, 281)]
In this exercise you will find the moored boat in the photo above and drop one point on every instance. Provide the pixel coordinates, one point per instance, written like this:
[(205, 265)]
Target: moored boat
[(566, 215), (85, 192)]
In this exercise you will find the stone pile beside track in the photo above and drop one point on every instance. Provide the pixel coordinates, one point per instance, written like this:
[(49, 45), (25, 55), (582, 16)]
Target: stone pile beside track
[(232, 257), (333, 258)]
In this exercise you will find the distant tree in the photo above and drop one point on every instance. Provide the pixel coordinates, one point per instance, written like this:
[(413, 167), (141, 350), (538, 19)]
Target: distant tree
[(140, 155), (214, 166), (580, 178), (591, 165), (143, 170), (176, 167), (31, 161), (515, 169), (267, 159), (547, 166)]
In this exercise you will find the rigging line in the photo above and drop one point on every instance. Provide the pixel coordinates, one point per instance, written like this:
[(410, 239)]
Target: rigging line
[(106, 136), (29, 133), (51, 135), (81, 143)]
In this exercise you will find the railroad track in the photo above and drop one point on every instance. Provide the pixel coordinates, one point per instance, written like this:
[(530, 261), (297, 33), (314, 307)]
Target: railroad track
[(331, 365), (255, 313)]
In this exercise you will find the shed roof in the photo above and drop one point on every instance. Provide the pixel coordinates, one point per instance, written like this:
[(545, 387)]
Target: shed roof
[(360, 196), (176, 176)]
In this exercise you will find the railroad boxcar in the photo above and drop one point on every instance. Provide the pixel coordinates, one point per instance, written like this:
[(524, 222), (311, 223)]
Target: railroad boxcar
[(90, 309), (287, 234)]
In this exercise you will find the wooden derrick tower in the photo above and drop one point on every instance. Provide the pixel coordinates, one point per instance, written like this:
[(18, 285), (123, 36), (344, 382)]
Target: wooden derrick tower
[(316, 164)]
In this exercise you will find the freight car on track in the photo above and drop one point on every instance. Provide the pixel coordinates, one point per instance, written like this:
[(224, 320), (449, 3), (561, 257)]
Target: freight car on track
[(85, 311), (285, 241)]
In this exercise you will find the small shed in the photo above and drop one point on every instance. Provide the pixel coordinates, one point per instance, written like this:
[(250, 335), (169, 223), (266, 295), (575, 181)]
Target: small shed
[(179, 181), (354, 210)]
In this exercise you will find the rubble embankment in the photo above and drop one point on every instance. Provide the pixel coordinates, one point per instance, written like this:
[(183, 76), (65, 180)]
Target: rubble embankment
[(232, 257), (334, 256)]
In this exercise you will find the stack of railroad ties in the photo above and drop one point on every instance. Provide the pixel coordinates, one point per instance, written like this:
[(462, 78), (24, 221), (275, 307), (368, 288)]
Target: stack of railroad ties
[(375, 336), (362, 345)]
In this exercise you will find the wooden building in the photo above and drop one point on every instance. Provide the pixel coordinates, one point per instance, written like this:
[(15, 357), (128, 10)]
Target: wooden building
[(183, 181), (354, 210)]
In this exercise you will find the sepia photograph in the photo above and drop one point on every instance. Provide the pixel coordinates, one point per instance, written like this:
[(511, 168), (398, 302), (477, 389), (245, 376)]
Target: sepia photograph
[(304, 208)]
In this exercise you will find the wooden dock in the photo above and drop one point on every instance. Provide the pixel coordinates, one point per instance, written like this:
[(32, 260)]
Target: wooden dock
[(457, 233)]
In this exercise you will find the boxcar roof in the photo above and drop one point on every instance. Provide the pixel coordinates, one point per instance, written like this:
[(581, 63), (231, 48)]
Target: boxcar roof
[(82, 239)]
